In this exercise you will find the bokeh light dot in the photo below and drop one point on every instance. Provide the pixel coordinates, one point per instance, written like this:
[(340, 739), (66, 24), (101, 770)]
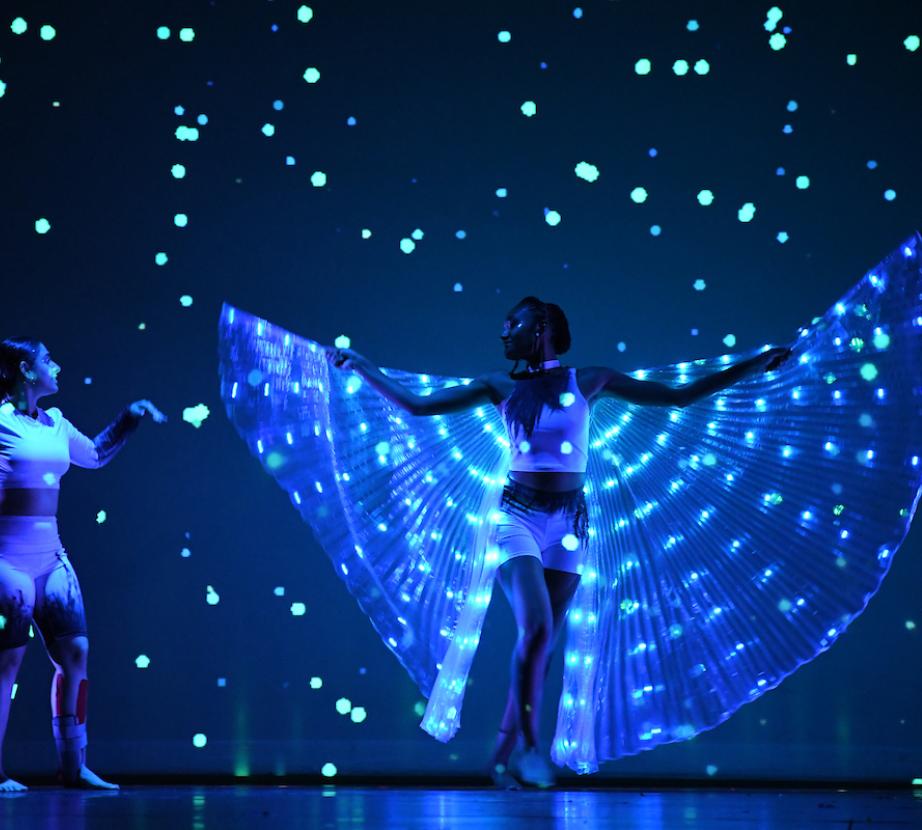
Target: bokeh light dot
[(552, 217), (911, 43), (705, 197), (180, 220), (185, 301), (268, 130), (851, 60), (199, 740), (18, 26), (692, 26), (47, 32), (643, 66), (187, 35), (178, 171), (655, 230), (42, 226), (680, 67), (318, 178), (802, 182), (702, 67), (889, 194), (529, 108), (312, 74), (504, 36), (161, 258), (305, 14)]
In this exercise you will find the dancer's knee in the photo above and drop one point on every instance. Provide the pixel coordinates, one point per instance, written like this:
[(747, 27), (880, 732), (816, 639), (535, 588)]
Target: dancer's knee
[(69, 654)]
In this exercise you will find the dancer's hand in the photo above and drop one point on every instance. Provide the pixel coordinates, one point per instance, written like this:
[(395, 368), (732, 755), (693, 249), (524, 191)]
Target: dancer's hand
[(140, 408), (773, 358), (346, 358)]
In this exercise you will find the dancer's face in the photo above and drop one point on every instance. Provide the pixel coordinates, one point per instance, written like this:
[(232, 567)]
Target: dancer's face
[(42, 375), (518, 335)]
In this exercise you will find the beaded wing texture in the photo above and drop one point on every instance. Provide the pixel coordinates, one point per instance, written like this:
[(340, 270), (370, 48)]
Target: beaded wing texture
[(731, 541)]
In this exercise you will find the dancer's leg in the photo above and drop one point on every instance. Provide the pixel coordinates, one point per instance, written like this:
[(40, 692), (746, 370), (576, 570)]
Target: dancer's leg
[(523, 582), (60, 618), (17, 597), (561, 586)]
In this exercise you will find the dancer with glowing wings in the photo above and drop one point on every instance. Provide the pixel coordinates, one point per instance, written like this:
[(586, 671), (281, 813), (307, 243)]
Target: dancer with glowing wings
[(713, 526)]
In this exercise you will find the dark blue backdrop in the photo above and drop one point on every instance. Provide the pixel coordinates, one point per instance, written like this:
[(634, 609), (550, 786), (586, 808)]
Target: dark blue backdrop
[(88, 123)]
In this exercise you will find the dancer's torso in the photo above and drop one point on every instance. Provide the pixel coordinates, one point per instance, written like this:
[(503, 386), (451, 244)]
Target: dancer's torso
[(26, 443), (590, 383)]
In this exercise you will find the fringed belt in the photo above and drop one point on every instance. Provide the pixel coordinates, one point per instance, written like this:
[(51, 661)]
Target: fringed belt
[(518, 495)]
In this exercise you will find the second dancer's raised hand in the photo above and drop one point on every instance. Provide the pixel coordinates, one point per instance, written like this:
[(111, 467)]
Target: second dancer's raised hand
[(142, 407)]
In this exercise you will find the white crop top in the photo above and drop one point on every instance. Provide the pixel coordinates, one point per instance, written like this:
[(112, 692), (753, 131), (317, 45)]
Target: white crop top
[(560, 440), (36, 452)]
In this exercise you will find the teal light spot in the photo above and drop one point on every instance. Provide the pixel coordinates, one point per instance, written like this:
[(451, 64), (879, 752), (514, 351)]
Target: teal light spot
[(529, 108), (18, 26), (417, 234), (47, 32), (178, 171), (639, 195), (142, 661), (358, 714), (316, 683), (881, 341), (501, 193), (782, 237), (2, 622), (187, 35), (163, 32), (777, 41), (869, 371), (711, 769), (343, 706), (643, 66), (342, 342), (702, 67), (100, 517), (298, 609), (185, 301), (680, 67), (699, 285), (199, 740), (328, 770), (705, 197), (785, 605), (274, 460), (195, 415), (42, 226), (366, 233), (211, 595), (675, 631), (312, 75), (407, 245), (838, 510), (655, 230), (588, 172), (2, 89), (746, 212), (305, 14), (802, 182), (161, 258), (730, 341), (268, 130), (552, 217), (692, 26), (180, 220), (890, 194), (851, 59), (856, 344), (504, 37), (184, 133), (709, 460), (318, 178), (911, 43)]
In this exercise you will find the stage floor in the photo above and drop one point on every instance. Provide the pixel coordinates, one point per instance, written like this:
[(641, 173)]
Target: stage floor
[(230, 807)]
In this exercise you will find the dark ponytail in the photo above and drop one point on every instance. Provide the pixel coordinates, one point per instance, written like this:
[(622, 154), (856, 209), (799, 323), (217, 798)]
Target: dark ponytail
[(13, 351)]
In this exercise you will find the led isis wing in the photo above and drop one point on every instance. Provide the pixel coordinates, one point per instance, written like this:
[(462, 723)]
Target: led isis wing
[(401, 504), (736, 539)]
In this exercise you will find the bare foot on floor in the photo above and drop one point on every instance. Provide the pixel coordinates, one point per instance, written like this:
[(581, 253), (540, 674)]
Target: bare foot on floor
[(503, 779), (89, 780), (8, 785)]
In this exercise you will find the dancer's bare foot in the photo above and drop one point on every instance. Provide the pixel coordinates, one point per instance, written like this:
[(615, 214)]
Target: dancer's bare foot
[(533, 768), (8, 785), (503, 779), (88, 780)]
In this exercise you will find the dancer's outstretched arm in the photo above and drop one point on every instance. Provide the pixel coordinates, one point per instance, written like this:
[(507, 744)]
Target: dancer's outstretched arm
[(617, 384), (454, 399), (94, 453)]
